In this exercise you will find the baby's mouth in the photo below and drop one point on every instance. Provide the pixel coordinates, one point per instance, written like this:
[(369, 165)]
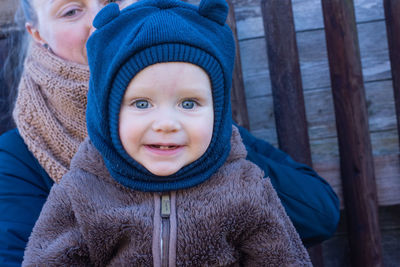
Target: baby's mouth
[(164, 147)]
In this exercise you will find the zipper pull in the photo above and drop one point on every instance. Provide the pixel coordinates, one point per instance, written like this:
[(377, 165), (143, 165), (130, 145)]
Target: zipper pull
[(165, 206)]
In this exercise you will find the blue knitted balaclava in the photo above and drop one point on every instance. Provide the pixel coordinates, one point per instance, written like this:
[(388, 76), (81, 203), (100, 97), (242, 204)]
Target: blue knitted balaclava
[(143, 34)]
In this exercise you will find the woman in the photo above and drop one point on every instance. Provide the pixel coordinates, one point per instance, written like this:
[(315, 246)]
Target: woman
[(50, 118)]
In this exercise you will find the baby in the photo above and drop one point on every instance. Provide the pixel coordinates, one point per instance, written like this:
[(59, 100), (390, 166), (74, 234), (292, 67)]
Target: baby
[(162, 179)]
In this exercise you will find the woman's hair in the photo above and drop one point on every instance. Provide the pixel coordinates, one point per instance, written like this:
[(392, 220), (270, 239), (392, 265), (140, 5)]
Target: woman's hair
[(28, 11), (17, 40)]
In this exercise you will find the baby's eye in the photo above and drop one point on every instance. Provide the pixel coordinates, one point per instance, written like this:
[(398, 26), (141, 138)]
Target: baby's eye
[(142, 104), (188, 104)]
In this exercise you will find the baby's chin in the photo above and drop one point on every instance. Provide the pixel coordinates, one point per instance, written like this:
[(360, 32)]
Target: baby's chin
[(163, 172), (164, 169)]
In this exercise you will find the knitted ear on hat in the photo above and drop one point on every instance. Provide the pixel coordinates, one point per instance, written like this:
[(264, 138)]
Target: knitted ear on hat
[(107, 14), (216, 10)]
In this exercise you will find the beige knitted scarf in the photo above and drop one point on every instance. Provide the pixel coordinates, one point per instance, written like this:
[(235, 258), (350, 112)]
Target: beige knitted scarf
[(50, 109)]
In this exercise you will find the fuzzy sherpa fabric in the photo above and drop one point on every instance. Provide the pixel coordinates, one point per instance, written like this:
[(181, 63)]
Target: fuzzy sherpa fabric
[(143, 34), (50, 108), (233, 219)]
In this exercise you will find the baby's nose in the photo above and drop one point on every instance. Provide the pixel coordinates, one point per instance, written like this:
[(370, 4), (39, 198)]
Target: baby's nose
[(166, 123)]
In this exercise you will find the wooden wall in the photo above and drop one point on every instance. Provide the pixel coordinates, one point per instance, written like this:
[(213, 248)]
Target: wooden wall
[(317, 92), (320, 110), (7, 28), (336, 251)]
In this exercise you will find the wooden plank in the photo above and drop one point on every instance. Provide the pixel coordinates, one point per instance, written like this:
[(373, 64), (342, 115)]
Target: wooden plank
[(387, 164), (373, 50), (286, 82), (327, 149), (357, 166), (337, 248), (387, 173), (314, 59), (380, 108), (287, 88), (238, 98), (9, 79), (7, 10), (5, 101), (320, 113), (392, 11), (8, 30), (307, 15)]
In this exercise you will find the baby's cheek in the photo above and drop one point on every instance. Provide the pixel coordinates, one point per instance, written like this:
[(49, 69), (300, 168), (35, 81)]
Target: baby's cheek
[(203, 136)]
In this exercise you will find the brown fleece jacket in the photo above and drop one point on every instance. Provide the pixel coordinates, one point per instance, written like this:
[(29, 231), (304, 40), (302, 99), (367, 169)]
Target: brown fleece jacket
[(233, 219)]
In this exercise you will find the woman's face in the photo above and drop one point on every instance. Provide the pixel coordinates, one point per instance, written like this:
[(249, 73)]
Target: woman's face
[(65, 25)]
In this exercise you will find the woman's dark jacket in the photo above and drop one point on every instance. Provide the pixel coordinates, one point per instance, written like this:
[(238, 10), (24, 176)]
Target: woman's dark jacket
[(24, 186)]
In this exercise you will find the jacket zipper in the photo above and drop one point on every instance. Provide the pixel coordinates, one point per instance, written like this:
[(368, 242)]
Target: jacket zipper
[(165, 228)]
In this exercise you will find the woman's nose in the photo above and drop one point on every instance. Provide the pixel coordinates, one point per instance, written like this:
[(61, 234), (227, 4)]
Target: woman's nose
[(92, 12), (92, 29)]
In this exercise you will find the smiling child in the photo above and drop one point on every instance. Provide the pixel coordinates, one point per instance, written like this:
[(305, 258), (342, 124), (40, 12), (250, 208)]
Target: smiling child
[(163, 178)]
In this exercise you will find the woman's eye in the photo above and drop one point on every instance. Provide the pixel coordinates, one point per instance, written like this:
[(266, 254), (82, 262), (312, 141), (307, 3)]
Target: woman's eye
[(142, 104), (188, 104), (70, 13)]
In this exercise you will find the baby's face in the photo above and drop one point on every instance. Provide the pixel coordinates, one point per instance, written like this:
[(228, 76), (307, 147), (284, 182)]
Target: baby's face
[(166, 118)]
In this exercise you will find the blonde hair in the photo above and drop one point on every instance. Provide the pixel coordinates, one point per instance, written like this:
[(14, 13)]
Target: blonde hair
[(17, 40)]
